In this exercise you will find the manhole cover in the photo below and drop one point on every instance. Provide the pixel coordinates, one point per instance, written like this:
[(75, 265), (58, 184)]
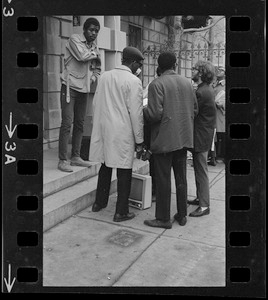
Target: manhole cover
[(124, 238)]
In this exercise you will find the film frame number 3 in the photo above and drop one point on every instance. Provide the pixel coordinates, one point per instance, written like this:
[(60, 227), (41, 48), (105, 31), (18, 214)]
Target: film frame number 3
[(8, 11)]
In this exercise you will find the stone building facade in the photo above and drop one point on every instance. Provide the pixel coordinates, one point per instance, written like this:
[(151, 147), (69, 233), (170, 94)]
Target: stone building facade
[(116, 33), (149, 34)]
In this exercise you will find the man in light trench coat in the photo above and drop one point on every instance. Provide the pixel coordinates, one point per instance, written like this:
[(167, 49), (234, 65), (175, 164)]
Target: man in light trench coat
[(117, 130)]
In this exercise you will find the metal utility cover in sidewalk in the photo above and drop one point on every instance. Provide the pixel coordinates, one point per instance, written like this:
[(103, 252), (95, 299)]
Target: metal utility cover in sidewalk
[(124, 238)]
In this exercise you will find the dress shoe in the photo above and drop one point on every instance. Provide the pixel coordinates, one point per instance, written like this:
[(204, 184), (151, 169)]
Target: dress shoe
[(96, 207), (120, 218), (182, 221), (212, 162), (158, 223), (64, 166), (199, 213), (220, 160), (193, 202), (79, 162)]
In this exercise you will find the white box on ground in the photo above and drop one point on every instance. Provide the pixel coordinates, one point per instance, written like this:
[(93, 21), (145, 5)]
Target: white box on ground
[(141, 191)]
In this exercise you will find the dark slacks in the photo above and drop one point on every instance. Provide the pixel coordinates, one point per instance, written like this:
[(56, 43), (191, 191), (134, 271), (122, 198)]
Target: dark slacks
[(201, 177), (220, 145), (152, 173), (163, 163), (147, 142), (72, 113), (123, 188)]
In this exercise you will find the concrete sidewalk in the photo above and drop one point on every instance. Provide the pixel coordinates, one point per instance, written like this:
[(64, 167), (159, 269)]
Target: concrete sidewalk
[(89, 249)]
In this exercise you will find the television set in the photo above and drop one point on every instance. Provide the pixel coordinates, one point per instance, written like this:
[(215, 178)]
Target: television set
[(141, 191)]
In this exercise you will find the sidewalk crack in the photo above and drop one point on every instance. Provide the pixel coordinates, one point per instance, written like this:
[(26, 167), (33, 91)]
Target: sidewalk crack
[(122, 274)]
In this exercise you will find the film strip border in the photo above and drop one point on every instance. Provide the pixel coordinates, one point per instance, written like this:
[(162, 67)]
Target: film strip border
[(246, 167), (22, 151), (22, 155)]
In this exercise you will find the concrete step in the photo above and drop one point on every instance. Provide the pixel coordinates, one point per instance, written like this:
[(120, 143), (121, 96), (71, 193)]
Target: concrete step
[(66, 196), (69, 201), (57, 180)]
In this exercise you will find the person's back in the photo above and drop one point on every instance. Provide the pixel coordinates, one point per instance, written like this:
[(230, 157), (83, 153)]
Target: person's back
[(116, 86), (117, 118), (172, 112), (117, 131)]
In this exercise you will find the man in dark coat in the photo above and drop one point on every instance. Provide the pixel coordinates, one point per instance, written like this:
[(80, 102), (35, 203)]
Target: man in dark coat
[(170, 111), (204, 125)]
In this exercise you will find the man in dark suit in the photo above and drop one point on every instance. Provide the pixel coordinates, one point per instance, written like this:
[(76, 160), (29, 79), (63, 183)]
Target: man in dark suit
[(204, 125), (170, 112)]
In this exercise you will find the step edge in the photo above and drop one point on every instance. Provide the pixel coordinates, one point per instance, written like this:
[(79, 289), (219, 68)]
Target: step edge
[(91, 183), (58, 211), (60, 181), (79, 189)]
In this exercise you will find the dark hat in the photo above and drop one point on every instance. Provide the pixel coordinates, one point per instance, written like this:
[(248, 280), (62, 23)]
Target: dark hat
[(166, 60), (132, 53)]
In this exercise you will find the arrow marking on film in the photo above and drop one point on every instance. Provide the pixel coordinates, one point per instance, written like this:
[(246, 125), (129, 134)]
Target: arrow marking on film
[(9, 129), (9, 284)]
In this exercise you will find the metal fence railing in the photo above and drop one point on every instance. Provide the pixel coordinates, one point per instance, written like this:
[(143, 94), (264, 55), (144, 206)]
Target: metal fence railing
[(186, 59)]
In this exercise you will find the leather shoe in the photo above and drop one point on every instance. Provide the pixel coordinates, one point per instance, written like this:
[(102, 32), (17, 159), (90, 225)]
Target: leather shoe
[(158, 223), (212, 162), (193, 202), (199, 213), (182, 221), (120, 218), (96, 207)]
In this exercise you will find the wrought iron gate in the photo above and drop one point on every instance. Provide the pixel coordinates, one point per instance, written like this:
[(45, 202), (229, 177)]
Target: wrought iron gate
[(186, 59)]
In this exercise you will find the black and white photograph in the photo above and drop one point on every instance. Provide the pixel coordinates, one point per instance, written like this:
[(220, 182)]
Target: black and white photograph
[(134, 151), (133, 141)]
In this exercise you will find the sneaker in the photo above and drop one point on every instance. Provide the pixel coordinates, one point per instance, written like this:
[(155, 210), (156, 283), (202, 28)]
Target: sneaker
[(78, 161), (64, 166)]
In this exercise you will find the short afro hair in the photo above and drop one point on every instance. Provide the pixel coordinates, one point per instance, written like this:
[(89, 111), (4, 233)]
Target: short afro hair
[(90, 21), (206, 70), (166, 60)]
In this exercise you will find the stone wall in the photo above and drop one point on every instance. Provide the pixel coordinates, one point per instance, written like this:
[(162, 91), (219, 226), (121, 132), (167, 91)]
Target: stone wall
[(57, 29), (154, 32)]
